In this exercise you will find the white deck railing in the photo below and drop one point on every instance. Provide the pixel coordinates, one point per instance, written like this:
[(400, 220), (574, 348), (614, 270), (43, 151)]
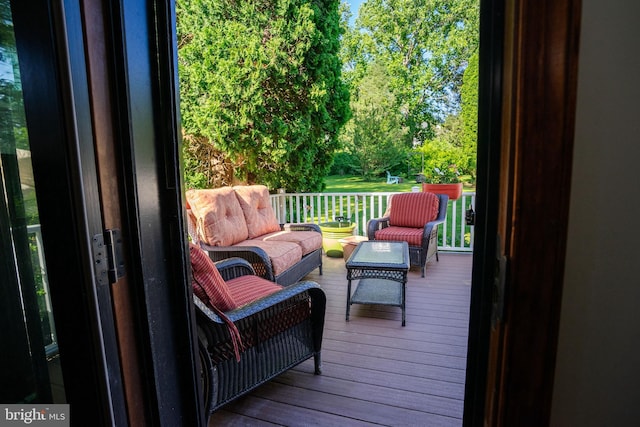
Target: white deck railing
[(317, 208)]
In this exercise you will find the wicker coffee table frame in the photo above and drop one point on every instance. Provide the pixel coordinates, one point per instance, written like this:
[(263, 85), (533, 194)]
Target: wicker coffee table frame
[(381, 282)]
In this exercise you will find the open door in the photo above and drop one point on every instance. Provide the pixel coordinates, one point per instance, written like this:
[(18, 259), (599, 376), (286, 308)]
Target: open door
[(530, 80), (99, 80)]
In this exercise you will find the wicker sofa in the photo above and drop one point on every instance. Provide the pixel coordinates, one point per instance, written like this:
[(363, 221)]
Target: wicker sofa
[(239, 222), (413, 218), (252, 329)]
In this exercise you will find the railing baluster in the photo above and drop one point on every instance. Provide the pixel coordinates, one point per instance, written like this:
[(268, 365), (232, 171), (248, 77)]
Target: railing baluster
[(364, 209), (454, 210)]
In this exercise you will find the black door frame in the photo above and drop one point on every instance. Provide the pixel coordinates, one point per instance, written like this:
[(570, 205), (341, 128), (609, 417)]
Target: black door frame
[(485, 260), (147, 109), (143, 62)]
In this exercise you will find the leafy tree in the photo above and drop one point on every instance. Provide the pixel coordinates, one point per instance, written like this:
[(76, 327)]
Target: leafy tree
[(374, 135), (343, 164), (13, 132), (469, 114), (261, 82), (425, 46), (444, 152)]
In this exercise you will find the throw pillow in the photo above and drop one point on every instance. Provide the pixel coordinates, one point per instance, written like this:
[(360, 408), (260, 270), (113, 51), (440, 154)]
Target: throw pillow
[(219, 217), (208, 284), (256, 207)]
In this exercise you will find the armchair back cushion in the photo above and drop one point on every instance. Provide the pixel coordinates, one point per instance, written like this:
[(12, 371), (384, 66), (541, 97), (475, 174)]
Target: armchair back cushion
[(208, 284), (256, 207), (219, 217), (413, 209)]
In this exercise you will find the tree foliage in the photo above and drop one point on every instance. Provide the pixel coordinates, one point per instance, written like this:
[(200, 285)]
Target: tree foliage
[(444, 152), (261, 82), (425, 46), (13, 130), (469, 115), (455, 142), (374, 136)]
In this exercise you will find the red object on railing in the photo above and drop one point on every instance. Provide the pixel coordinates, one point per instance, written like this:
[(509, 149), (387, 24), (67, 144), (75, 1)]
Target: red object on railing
[(454, 191)]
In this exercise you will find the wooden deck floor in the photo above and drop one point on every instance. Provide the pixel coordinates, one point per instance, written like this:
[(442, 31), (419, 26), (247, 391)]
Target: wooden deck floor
[(374, 371)]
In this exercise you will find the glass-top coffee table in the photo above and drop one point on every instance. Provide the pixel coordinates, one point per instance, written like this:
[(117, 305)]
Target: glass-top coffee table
[(382, 269)]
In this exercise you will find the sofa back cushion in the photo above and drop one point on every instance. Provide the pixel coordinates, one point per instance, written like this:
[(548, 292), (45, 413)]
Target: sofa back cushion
[(256, 206), (219, 217), (208, 284), (413, 209)]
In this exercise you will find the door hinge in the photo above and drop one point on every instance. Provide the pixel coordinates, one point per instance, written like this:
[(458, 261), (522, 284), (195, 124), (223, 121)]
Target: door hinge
[(107, 257)]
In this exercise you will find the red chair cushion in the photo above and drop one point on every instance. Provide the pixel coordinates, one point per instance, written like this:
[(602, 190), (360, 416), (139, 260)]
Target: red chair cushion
[(246, 289), (413, 209), (208, 284), (413, 236)]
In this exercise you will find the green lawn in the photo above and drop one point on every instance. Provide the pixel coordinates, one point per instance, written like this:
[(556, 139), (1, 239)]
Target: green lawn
[(356, 184)]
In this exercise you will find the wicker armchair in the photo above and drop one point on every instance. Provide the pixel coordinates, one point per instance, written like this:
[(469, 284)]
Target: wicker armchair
[(277, 332), (422, 231)]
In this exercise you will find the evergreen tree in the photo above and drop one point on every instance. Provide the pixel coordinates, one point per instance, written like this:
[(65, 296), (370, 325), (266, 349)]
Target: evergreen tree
[(469, 113), (374, 135), (261, 82)]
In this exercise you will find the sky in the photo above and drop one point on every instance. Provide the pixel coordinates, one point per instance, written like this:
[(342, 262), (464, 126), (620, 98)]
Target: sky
[(354, 5)]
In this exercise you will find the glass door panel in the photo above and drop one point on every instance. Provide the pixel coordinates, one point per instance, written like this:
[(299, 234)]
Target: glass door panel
[(30, 366)]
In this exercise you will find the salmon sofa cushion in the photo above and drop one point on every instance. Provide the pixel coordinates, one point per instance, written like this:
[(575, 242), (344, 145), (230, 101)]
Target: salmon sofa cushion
[(256, 207), (219, 217), (282, 255), (308, 241)]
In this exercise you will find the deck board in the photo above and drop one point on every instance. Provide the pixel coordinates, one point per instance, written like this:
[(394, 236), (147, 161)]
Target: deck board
[(374, 371)]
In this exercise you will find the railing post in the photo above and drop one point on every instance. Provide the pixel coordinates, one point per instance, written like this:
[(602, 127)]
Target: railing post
[(282, 208)]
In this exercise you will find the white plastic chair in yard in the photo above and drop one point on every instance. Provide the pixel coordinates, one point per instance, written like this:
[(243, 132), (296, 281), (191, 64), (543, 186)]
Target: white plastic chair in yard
[(392, 179)]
